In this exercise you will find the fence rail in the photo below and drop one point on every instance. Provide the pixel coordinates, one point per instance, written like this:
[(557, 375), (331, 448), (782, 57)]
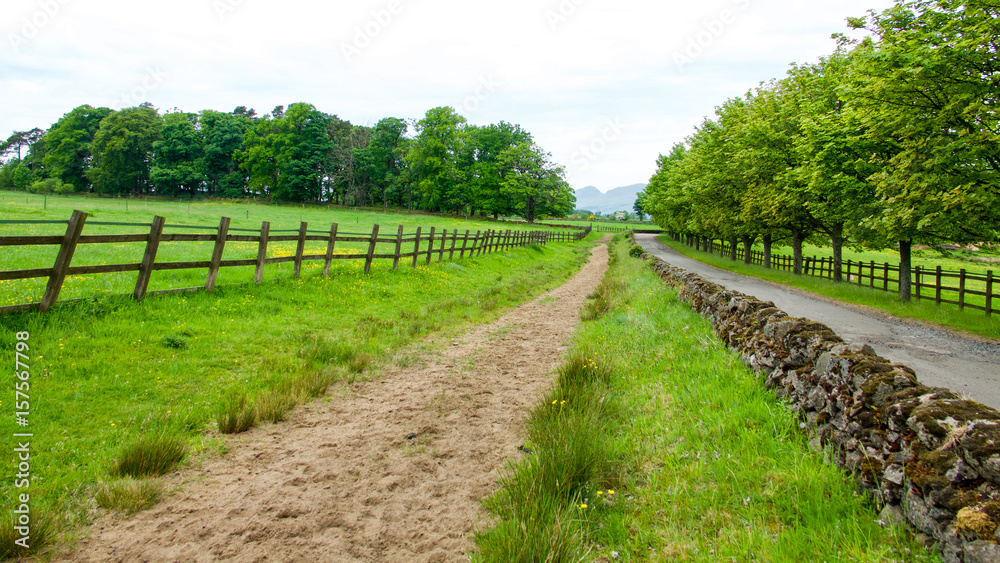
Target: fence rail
[(927, 284), (425, 247)]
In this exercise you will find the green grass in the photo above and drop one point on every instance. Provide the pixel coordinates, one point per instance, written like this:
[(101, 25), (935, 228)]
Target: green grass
[(669, 449), (969, 320), (110, 371), (284, 219)]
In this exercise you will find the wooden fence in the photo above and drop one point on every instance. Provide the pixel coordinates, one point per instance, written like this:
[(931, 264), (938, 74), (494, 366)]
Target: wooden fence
[(926, 284), (426, 246)]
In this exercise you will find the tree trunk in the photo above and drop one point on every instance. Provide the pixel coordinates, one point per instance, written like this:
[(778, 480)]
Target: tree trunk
[(797, 239), (905, 268), (732, 248), (709, 244), (837, 242), (767, 250), (747, 248)]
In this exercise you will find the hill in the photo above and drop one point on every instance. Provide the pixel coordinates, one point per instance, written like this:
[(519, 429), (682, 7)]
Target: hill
[(618, 199)]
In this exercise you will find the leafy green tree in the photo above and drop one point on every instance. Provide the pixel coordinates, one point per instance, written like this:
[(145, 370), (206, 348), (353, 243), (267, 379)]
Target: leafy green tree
[(123, 150), (20, 140), (484, 173), (224, 134), (69, 156), (433, 159), (381, 162), (285, 154), (534, 184), (927, 80), (177, 160)]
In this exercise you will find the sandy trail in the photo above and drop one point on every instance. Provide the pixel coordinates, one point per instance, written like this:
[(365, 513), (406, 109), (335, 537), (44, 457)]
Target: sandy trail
[(341, 480)]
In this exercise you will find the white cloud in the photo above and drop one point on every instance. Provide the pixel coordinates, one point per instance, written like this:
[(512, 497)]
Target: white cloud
[(561, 77)]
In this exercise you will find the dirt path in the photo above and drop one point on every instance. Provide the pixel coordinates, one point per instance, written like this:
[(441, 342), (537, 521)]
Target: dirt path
[(940, 357), (341, 480)]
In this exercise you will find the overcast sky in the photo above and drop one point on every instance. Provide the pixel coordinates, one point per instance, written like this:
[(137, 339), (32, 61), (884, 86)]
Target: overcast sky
[(604, 85)]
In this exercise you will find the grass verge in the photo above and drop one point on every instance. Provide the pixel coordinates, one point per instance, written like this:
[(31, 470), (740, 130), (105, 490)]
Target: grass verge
[(111, 371), (975, 322), (658, 444)]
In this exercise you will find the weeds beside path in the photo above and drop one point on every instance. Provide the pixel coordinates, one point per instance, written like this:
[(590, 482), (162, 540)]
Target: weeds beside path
[(389, 470)]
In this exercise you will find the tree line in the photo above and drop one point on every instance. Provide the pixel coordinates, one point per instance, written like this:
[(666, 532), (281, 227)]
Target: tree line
[(298, 154), (891, 141)]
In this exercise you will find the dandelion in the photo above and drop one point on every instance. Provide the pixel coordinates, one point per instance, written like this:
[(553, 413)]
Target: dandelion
[(583, 506)]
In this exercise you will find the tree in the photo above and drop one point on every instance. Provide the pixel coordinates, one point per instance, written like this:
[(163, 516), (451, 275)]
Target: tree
[(69, 155), (123, 150), (535, 185), (928, 80), (484, 173), (177, 160), (285, 154), (19, 140), (381, 161), (433, 159), (224, 134), (638, 206)]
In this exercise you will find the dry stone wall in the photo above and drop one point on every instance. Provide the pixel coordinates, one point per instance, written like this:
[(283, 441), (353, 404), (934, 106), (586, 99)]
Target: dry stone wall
[(927, 455)]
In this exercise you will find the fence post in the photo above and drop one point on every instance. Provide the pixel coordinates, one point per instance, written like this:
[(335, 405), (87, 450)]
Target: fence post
[(465, 242), (329, 250), (430, 246), (961, 289), (300, 250), (885, 279), (265, 231), (220, 245), (937, 286), (149, 258), (454, 241), (416, 246), (63, 259), (916, 276), (371, 249), (444, 243), (989, 293), (399, 248)]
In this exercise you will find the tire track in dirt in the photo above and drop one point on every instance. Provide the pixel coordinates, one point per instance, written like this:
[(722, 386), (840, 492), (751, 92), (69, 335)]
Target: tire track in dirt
[(341, 480)]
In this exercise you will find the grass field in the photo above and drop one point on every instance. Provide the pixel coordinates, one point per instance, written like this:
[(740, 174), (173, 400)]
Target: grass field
[(969, 320), (660, 445), (285, 220), (119, 389)]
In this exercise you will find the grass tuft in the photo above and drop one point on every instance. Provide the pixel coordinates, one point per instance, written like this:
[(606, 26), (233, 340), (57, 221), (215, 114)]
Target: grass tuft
[(42, 532), (275, 405), (150, 455), (129, 495), (235, 415)]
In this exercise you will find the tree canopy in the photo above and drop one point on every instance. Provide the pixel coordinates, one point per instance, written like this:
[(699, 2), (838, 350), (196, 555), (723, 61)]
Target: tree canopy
[(889, 141)]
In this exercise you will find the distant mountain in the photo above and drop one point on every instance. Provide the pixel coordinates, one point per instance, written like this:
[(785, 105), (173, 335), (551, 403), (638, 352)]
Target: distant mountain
[(618, 199)]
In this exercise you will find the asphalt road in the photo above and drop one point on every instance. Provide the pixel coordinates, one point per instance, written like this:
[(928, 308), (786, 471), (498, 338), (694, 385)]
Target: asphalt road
[(940, 358)]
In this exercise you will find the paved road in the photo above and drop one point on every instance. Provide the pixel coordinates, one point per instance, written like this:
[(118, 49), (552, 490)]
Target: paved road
[(940, 358)]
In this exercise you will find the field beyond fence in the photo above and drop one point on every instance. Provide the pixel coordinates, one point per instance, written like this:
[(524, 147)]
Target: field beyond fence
[(416, 248), (968, 290)]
